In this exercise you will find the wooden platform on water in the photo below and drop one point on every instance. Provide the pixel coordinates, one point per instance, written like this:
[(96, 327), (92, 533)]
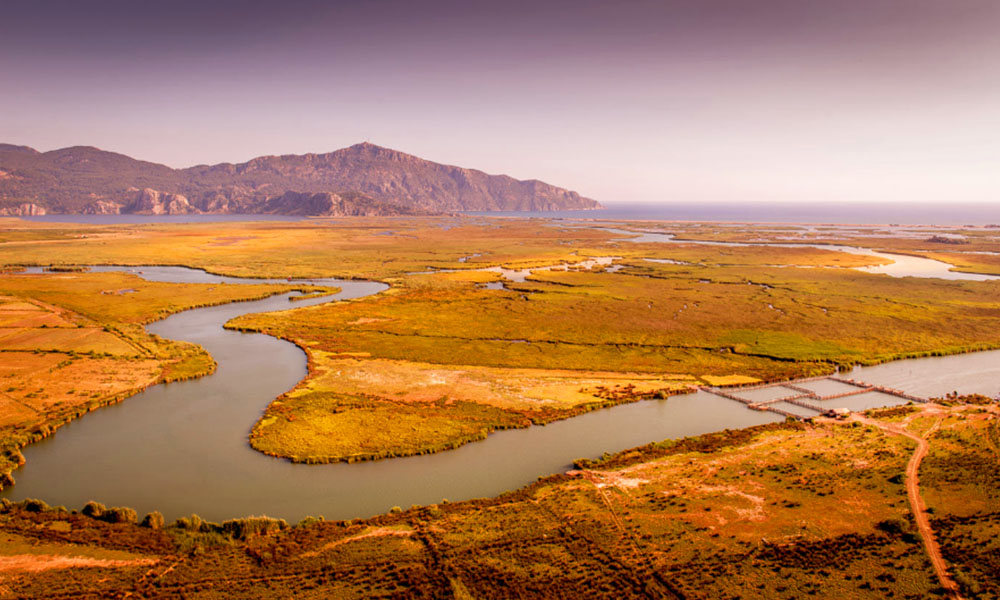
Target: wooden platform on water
[(803, 395)]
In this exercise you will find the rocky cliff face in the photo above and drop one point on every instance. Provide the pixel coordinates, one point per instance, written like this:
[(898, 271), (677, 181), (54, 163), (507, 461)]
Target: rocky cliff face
[(362, 179), (320, 204), (152, 202), (25, 209), (102, 207), (348, 204), (396, 177)]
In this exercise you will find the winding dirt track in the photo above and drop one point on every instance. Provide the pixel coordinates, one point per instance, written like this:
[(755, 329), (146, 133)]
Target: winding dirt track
[(916, 502)]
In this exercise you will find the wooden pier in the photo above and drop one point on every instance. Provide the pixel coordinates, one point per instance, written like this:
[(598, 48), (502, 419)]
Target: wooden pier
[(780, 411), (879, 388), (801, 390), (728, 396), (808, 405), (803, 395)]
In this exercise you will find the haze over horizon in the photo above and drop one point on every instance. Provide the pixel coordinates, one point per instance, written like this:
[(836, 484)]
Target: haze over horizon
[(724, 101)]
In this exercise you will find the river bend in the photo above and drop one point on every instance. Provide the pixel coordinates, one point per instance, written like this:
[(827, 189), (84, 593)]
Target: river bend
[(181, 448)]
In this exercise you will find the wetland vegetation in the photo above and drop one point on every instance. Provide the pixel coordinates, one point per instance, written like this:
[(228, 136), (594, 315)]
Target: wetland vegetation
[(721, 317), (778, 511), (440, 359), (70, 343)]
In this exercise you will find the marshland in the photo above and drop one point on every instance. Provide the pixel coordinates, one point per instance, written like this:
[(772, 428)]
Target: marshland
[(474, 300), (420, 384)]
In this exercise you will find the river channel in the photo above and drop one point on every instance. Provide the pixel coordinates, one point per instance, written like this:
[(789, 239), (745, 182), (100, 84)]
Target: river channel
[(898, 265), (181, 448)]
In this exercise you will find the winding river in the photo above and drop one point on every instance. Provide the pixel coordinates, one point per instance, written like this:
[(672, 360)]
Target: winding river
[(181, 448)]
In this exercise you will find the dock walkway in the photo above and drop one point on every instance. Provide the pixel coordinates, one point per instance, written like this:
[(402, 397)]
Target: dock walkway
[(803, 395)]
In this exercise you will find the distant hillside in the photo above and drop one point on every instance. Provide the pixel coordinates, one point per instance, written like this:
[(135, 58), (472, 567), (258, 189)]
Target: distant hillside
[(364, 179)]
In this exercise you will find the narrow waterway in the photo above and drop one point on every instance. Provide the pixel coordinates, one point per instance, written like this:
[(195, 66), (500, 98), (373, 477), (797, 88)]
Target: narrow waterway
[(182, 448), (901, 265)]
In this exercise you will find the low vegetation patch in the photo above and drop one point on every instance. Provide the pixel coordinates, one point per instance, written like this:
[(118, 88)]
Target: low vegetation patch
[(440, 341), (67, 348), (960, 479), (779, 511)]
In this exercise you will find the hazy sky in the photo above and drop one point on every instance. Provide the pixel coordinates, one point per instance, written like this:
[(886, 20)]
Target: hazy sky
[(667, 101)]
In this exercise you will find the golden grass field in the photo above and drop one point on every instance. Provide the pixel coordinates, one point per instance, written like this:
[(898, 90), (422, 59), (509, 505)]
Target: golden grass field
[(439, 360), (683, 324), (70, 342)]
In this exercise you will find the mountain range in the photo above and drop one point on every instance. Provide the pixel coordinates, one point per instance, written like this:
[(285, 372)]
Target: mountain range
[(363, 179)]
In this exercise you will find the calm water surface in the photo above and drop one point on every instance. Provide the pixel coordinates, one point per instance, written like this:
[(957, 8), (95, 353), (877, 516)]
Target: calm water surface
[(155, 219), (901, 266), (947, 214), (181, 448)]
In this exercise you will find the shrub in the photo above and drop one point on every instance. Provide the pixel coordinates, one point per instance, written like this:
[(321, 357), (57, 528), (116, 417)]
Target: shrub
[(192, 523), (241, 529), (35, 506), (119, 514), (153, 520), (94, 510), (309, 521), (893, 526)]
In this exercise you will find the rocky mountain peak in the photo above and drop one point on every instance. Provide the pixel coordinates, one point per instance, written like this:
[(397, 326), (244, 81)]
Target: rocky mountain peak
[(364, 177), (367, 149)]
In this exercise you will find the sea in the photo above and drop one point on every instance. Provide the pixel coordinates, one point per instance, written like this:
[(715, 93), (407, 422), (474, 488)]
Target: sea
[(942, 214), (147, 219)]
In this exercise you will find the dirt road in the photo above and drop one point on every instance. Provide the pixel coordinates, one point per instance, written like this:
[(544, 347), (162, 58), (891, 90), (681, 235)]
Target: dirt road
[(916, 502)]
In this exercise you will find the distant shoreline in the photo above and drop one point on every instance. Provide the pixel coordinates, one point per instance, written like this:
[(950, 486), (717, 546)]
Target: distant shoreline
[(831, 214), (828, 213), (136, 219)]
